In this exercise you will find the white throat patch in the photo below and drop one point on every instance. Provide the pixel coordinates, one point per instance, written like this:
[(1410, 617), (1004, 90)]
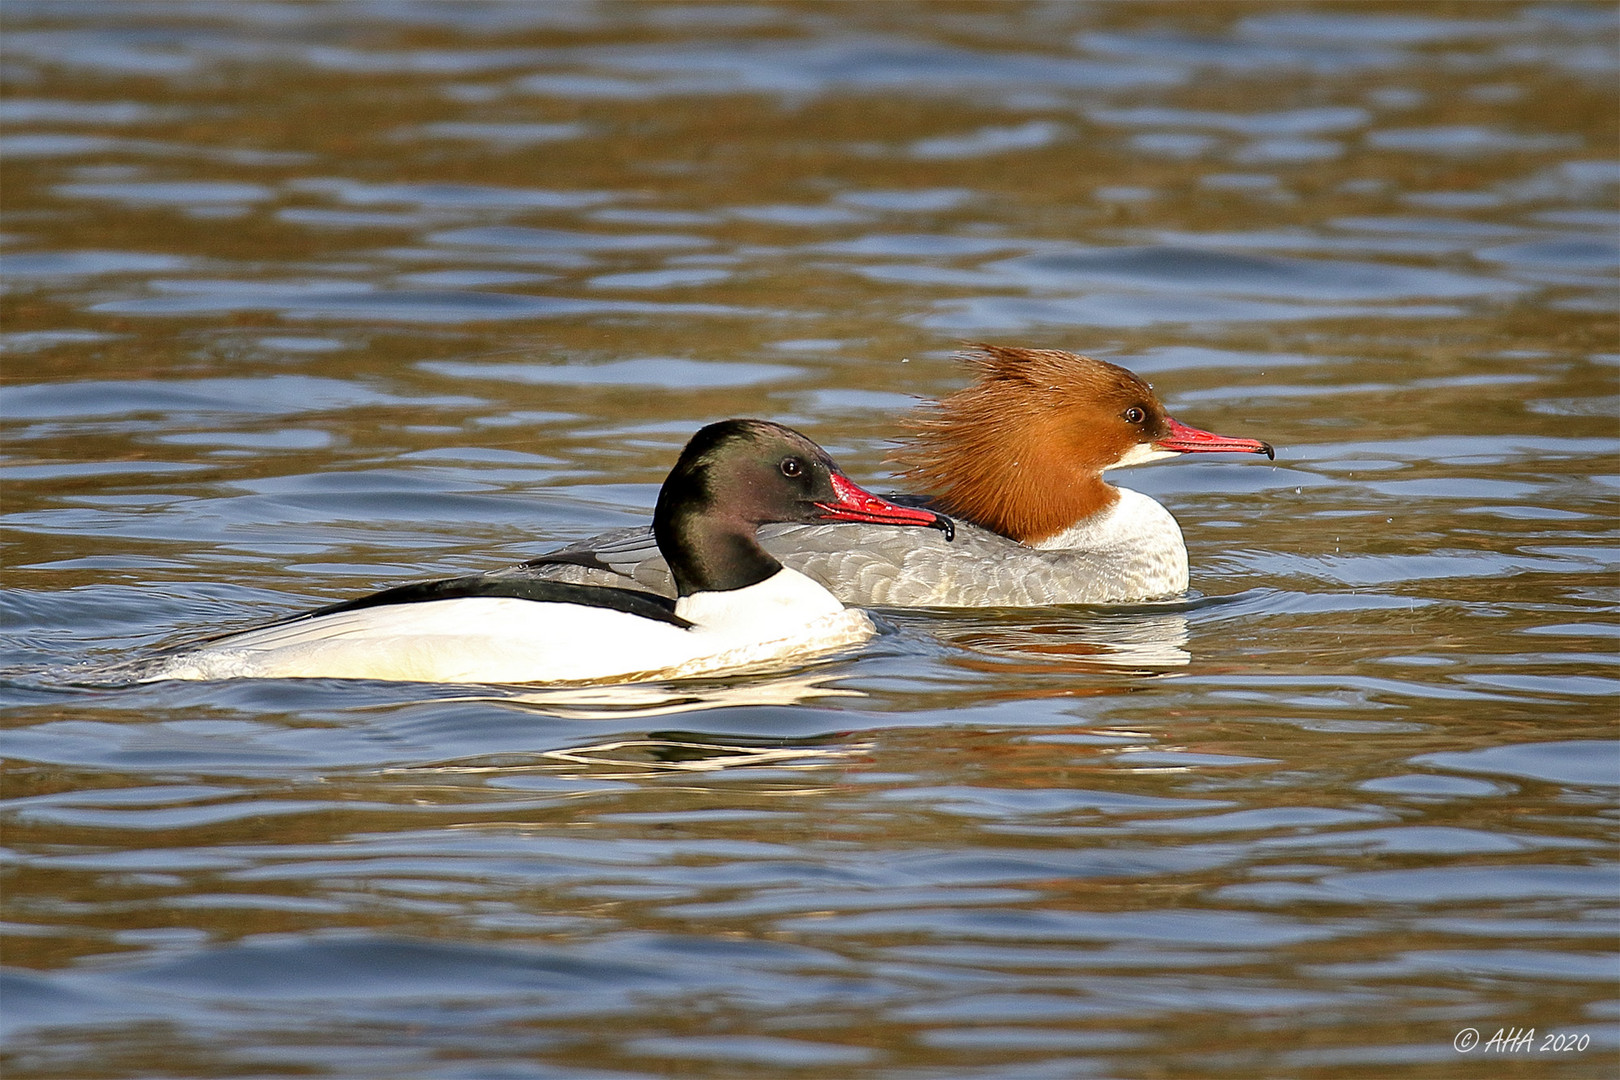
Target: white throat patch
[(1141, 454)]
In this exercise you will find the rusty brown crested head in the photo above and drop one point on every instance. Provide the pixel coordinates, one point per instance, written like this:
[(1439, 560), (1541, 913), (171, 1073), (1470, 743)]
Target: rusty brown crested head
[(1022, 449)]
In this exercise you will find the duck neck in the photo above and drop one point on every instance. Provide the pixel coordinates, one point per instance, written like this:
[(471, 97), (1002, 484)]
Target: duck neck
[(1023, 501), (710, 554)]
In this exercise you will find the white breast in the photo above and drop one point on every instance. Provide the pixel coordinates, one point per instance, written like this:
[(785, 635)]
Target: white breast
[(1136, 546), (783, 617), (505, 640)]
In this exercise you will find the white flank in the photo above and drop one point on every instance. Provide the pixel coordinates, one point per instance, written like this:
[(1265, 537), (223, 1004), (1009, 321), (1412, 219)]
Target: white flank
[(503, 640)]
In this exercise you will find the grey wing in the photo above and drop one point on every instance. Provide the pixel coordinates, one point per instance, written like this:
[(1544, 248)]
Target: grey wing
[(891, 566), (866, 565), (625, 558)]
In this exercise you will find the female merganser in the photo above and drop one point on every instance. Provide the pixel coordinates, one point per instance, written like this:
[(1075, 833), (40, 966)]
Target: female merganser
[(736, 606), (1018, 459)]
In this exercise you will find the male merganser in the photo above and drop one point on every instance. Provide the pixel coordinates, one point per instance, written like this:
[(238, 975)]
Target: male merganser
[(1017, 458), (736, 606)]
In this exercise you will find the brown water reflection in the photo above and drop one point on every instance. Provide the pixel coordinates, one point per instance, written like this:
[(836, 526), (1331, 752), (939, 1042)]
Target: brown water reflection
[(301, 300)]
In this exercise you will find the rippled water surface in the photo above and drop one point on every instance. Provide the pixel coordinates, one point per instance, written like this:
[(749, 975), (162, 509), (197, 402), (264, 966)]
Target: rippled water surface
[(302, 300)]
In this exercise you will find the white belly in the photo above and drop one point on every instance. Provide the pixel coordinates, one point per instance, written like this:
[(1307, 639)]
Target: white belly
[(506, 640)]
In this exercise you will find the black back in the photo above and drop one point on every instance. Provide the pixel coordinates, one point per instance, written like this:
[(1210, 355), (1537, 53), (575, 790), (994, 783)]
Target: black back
[(539, 590)]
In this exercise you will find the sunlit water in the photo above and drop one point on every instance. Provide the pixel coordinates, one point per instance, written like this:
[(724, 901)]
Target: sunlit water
[(305, 300)]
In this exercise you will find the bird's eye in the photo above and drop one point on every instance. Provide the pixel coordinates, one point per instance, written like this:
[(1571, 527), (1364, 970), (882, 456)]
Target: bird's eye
[(792, 467), (1134, 415)]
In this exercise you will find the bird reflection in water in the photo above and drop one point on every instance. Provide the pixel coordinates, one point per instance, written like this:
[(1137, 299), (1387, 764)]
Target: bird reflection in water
[(696, 752), (628, 700), (1143, 641), (626, 754)]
